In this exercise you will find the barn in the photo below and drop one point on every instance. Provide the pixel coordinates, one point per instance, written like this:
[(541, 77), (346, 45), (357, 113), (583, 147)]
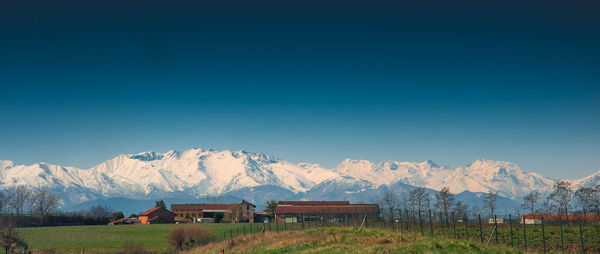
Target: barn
[(157, 215), (297, 211)]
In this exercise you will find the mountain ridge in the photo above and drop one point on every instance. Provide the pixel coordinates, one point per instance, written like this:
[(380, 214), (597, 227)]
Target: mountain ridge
[(194, 173)]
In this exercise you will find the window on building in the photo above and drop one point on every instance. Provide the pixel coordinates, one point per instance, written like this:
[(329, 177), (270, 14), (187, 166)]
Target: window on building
[(247, 207), (181, 215)]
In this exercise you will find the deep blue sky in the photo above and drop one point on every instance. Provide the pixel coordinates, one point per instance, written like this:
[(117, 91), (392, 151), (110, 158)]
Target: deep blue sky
[(307, 81)]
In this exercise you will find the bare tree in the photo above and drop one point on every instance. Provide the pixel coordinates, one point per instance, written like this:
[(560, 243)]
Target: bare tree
[(444, 201), (2, 202), (560, 197), (596, 199), (460, 209), (9, 237), (584, 197), (490, 202), (17, 197), (420, 198), (99, 212), (234, 214), (530, 200), (545, 208), (43, 202), (517, 211), (390, 202)]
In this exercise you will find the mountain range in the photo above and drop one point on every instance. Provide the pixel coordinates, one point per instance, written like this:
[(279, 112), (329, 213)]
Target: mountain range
[(131, 182)]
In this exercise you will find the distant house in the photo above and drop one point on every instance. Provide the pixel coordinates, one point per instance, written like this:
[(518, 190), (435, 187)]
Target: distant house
[(157, 215), (125, 220), (537, 218), (261, 216), (209, 212), (297, 211), (497, 220)]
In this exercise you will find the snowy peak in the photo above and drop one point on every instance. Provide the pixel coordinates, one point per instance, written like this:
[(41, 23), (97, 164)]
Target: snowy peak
[(147, 156), (506, 178), (5, 164), (588, 181), (196, 172)]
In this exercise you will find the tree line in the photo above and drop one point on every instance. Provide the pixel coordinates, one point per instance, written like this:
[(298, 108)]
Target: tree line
[(20, 199), (563, 200)]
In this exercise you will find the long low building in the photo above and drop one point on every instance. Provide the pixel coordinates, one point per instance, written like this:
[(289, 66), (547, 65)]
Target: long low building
[(210, 212), (298, 211), (537, 218)]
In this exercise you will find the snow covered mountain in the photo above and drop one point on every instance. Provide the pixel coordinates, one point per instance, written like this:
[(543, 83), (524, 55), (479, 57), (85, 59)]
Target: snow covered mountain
[(194, 174)]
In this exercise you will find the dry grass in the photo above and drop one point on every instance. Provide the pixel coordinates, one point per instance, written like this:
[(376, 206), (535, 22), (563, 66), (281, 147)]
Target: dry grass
[(334, 240)]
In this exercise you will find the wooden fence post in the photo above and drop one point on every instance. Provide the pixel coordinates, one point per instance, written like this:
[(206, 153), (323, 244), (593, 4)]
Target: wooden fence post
[(524, 232), (480, 230), (512, 243)]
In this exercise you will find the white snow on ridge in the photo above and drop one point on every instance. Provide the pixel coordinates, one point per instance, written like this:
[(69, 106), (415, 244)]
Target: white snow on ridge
[(198, 172)]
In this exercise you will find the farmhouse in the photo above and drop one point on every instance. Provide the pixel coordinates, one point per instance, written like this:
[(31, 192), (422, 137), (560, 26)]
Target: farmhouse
[(210, 212), (537, 218), (156, 215), (297, 211)]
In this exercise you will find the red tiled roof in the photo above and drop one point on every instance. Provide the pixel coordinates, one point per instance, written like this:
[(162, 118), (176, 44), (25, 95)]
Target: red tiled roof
[(146, 213), (313, 203), (119, 220), (369, 208), (562, 217), (201, 206)]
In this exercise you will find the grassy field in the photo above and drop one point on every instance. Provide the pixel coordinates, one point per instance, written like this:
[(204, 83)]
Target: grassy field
[(105, 238), (346, 240), (112, 238)]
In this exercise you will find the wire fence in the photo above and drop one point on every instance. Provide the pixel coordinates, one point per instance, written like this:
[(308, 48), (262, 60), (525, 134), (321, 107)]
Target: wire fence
[(543, 235)]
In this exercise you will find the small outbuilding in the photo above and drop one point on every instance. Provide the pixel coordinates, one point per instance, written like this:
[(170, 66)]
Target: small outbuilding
[(157, 215)]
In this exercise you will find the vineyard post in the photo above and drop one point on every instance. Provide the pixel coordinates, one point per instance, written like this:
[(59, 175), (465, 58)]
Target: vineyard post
[(408, 219), (420, 222), (400, 218), (355, 216), (524, 233), (496, 225), (512, 243), (322, 217), (454, 225), (543, 235), (430, 224), (383, 215), (442, 223), (581, 236), (392, 219), (466, 227), (366, 217), (480, 230), (338, 217), (562, 241)]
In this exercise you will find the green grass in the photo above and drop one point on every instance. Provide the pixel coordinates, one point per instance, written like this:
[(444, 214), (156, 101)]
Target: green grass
[(106, 238)]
